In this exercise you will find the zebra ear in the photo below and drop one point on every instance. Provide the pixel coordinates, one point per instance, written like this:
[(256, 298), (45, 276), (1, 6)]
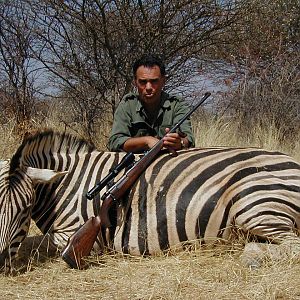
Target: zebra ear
[(44, 175)]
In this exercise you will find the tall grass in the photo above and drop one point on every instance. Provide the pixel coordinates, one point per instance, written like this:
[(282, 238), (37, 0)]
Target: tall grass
[(9, 141), (224, 132), (209, 131)]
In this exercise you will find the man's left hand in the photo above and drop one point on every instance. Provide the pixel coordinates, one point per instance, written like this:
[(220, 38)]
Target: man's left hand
[(173, 141)]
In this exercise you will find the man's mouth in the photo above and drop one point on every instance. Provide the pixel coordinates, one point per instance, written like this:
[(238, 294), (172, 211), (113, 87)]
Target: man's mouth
[(149, 95)]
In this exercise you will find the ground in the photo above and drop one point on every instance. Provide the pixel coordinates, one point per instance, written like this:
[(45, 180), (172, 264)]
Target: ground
[(199, 273)]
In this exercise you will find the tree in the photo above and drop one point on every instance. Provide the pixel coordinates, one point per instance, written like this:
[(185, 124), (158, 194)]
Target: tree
[(89, 45), (18, 70), (265, 70)]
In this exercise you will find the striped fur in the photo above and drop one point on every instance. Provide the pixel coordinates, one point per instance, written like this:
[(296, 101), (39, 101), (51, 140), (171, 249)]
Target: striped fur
[(15, 194), (202, 193)]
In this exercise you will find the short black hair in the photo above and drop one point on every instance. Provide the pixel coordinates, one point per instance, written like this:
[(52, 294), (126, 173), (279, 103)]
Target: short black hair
[(149, 60)]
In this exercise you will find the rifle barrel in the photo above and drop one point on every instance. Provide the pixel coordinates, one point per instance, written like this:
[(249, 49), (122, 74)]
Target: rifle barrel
[(125, 162), (188, 114)]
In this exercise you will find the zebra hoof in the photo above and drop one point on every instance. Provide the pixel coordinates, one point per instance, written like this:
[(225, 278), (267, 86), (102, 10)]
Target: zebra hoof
[(253, 255)]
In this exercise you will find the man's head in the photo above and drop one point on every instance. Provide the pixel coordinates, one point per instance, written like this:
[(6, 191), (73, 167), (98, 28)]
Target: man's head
[(149, 78), (149, 60)]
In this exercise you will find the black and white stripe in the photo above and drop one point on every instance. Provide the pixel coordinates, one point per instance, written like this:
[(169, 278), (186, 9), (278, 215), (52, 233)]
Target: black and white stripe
[(202, 193), (15, 206)]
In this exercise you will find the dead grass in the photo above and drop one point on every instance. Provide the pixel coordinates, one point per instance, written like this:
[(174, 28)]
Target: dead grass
[(9, 142), (195, 274), (208, 132), (199, 272), (222, 132)]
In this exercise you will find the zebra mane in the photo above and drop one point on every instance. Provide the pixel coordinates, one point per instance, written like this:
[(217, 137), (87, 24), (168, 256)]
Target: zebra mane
[(48, 142)]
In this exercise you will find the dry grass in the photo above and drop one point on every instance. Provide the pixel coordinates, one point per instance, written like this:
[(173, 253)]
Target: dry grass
[(9, 141), (223, 132), (195, 274), (208, 132)]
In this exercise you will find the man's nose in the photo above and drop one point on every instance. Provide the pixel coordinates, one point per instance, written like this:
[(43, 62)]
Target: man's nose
[(148, 86)]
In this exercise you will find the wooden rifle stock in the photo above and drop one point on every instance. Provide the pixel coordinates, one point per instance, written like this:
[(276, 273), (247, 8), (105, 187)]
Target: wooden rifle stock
[(81, 243)]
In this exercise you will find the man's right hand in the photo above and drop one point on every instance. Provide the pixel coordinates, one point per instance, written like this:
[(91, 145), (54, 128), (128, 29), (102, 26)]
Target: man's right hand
[(139, 144)]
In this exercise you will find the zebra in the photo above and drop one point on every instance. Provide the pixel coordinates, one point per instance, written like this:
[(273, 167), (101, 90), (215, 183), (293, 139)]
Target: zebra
[(203, 193)]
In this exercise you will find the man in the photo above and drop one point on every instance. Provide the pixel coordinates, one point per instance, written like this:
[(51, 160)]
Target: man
[(142, 119)]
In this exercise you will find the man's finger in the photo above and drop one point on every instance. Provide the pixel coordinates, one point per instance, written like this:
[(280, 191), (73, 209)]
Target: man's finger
[(173, 152), (181, 134)]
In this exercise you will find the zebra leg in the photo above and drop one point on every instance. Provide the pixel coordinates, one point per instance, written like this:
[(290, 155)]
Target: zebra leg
[(256, 254), (271, 223)]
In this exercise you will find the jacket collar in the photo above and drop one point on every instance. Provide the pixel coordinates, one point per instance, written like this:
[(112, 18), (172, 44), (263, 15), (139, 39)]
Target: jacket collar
[(164, 102)]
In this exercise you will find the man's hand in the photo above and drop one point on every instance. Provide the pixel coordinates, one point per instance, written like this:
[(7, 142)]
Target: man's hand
[(172, 141), (175, 141), (140, 144)]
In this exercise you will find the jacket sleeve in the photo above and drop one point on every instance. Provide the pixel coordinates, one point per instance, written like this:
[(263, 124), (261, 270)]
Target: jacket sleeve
[(121, 128), (181, 109)]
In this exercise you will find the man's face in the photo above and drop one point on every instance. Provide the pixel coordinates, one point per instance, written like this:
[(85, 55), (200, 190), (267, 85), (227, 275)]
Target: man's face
[(149, 83)]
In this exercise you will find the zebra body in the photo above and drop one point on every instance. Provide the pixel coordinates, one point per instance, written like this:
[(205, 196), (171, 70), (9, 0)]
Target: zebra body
[(202, 193)]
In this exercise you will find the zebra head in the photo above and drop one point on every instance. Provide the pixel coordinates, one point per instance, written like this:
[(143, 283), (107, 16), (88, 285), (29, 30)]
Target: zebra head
[(17, 197)]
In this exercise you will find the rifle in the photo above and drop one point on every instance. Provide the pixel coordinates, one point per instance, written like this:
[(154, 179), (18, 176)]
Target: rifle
[(81, 242), (127, 160)]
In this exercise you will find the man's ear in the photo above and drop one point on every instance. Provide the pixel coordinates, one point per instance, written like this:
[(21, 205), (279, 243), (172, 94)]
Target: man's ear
[(134, 82)]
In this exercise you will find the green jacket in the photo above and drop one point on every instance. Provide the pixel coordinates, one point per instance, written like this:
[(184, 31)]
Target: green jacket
[(130, 120)]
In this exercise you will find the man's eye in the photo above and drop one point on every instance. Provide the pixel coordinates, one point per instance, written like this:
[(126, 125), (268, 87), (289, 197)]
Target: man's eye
[(143, 82)]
